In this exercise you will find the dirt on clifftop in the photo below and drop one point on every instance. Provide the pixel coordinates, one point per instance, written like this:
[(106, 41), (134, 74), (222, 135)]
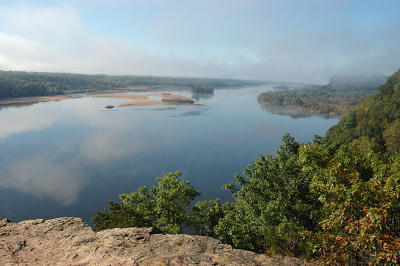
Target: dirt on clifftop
[(70, 241)]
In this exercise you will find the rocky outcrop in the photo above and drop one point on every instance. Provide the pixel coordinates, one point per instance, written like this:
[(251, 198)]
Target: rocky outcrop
[(69, 241)]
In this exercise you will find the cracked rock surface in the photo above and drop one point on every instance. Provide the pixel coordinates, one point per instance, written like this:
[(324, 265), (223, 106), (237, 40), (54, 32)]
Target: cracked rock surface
[(70, 241)]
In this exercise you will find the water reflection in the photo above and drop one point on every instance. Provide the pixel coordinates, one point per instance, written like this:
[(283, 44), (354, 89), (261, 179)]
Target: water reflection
[(44, 177), (201, 95), (15, 120), (108, 145), (190, 113), (52, 166), (293, 113), (162, 109)]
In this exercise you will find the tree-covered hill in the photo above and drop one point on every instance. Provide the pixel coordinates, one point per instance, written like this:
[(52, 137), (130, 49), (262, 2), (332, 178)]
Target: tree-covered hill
[(377, 117), (337, 97), (19, 84)]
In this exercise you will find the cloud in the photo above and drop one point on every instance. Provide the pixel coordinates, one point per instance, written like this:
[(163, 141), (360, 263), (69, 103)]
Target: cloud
[(244, 39), (20, 53)]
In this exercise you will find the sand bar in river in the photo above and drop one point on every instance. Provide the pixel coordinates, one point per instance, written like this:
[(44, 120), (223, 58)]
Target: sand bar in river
[(144, 100)]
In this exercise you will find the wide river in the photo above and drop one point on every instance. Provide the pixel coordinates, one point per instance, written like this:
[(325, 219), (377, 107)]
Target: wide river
[(67, 158)]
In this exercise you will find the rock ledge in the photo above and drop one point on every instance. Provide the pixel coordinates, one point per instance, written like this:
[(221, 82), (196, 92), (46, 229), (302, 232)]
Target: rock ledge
[(70, 241)]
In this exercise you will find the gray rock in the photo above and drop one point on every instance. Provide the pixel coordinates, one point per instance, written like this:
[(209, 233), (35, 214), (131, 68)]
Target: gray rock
[(69, 241)]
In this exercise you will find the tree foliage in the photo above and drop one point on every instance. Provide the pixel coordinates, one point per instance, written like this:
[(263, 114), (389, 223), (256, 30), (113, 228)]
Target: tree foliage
[(163, 207), (360, 196), (273, 201), (377, 118), (206, 215)]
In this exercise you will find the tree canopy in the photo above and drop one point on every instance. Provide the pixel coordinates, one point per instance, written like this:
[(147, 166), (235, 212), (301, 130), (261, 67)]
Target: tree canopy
[(163, 207), (377, 117)]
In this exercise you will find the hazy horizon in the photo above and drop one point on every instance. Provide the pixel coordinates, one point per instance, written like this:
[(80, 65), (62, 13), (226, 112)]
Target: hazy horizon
[(306, 41)]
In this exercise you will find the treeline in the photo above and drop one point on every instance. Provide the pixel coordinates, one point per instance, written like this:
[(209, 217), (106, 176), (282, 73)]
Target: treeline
[(202, 88), (342, 93), (335, 200), (20, 84)]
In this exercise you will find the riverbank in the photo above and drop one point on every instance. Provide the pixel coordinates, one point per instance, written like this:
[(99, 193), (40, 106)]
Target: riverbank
[(31, 100)]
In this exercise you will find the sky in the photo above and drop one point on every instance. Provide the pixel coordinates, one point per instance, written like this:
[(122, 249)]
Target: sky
[(306, 41)]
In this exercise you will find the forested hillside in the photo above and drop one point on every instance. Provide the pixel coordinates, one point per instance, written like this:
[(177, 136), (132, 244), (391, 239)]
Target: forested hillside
[(335, 200), (377, 117), (337, 97), (20, 84)]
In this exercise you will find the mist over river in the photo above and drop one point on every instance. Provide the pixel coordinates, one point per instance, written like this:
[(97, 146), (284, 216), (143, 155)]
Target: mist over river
[(68, 157)]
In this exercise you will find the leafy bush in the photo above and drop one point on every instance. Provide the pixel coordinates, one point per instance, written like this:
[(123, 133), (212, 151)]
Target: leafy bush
[(163, 207), (118, 215), (273, 205), (206, 215), (360, 193)]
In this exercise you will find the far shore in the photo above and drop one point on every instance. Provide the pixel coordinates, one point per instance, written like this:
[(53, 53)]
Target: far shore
[(31, 100)]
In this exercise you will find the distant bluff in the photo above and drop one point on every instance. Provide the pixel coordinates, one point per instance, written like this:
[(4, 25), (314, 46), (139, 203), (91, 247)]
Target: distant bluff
[(361, 82), (70, 241)]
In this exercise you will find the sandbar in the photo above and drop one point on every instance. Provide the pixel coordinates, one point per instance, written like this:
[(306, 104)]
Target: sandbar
[(168, 97), (144, 100), (124, 96)]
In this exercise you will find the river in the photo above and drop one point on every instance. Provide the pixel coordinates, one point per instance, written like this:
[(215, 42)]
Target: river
[(68, 157)]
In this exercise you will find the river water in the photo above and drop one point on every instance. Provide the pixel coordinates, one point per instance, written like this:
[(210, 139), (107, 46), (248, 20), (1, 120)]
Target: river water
[(67, 158)]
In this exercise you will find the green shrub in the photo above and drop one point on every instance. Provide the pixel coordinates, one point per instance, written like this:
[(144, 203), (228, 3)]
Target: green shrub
[(163, 207), (360, 195)]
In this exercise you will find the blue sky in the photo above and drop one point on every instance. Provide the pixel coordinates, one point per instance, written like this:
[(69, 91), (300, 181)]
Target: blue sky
[(286, 40)]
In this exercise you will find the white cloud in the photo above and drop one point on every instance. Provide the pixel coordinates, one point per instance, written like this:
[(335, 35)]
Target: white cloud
[(55, 38), (17, 52), (52, 24)]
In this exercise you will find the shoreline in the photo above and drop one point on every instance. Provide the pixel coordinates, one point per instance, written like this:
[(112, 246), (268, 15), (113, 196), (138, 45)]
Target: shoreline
[(31, 100), (297, 111)]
